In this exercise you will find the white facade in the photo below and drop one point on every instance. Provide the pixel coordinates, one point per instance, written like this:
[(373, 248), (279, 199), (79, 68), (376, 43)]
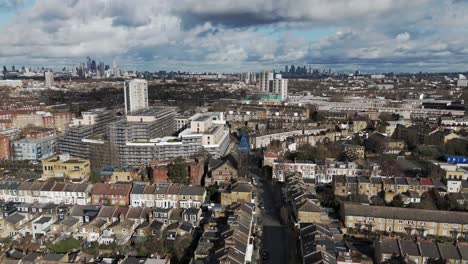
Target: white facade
[(323, 173), (282, 169), (11, 83), (454, 186), (275, 85), (136, 95), (48, 79), (279, 86), (72, 194), (265, 78), (41, 226)]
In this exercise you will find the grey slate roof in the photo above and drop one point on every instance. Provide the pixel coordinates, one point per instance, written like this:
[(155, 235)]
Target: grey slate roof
[(438, 216)]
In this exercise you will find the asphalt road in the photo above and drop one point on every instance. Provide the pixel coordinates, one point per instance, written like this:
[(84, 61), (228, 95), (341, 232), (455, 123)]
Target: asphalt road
[(277, 239)]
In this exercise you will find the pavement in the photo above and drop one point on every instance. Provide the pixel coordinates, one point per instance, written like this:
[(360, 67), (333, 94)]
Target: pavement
[(278, 239)]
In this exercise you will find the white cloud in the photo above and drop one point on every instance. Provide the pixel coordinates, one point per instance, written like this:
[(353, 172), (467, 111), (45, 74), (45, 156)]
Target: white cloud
[(405, 36)]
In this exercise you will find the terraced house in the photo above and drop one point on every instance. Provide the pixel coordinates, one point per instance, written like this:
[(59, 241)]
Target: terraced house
[(111, 194), (404, 220), (45, 192), (167, 195)]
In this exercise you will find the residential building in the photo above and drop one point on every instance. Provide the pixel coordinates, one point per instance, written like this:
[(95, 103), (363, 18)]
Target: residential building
[(281, 169), (278, 86), (135, 142), (84, 138), (354, 152), (111, 194), (380, 143), (48, 79), (238, 193), (5, 148), (265, 77), (127, 174), (64, 166), (41, 226), (222, 171), (136, 95), (12, 225), (138, 133), (419, 252), (269, 158), (194, 169), (34, 149), (405, 220)]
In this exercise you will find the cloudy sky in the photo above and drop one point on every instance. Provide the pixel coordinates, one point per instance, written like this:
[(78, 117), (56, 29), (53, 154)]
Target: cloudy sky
[(238, 35)]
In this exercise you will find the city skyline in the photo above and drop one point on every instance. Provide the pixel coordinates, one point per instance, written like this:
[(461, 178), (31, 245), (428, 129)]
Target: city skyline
[(226, 36)]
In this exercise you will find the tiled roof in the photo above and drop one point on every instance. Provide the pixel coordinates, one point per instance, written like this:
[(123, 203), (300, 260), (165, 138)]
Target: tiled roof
[(112, 189), (439, 216)]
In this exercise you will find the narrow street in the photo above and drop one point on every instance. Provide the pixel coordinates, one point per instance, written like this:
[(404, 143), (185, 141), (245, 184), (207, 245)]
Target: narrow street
[(278, 241)]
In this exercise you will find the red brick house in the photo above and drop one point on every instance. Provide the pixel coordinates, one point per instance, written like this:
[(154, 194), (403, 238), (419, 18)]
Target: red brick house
[(222, 171), (195, 170), (5, 149), (111, 194)]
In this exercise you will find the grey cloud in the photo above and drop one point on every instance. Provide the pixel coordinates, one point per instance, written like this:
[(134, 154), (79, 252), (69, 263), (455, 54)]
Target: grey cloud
[(245, 34)]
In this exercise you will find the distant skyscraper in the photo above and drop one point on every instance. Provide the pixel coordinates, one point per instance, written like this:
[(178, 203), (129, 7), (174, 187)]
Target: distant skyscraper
[(100, 70), (48, 79), (88, 64), (93, 66), (136, 95), (286, 69)]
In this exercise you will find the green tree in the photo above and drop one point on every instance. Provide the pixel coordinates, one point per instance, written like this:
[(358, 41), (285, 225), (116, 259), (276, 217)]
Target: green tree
[(397, 202), (178, 171), (94, 177), (212, 193)]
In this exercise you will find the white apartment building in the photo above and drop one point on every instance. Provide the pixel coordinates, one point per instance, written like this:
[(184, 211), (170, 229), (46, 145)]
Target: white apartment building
[(265, 78), (321, 173), (279, 86), (274, 84), (209, 129), (90, 118), (48, 79), (282, 169), (136, 95)]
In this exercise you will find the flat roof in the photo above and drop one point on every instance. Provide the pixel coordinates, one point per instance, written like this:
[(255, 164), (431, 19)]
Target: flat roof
[(202, 118)]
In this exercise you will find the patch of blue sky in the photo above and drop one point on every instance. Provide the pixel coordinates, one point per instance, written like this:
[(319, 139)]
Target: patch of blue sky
[(8, 12)]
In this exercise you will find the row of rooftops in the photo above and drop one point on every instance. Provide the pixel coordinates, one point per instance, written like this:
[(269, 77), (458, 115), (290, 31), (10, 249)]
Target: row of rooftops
[(173, 188), (102, 188), (111, 211), (327, 163), (437, 216), (389, 180), (44, 186), (321, 243), (427, 249), (234, 240)]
